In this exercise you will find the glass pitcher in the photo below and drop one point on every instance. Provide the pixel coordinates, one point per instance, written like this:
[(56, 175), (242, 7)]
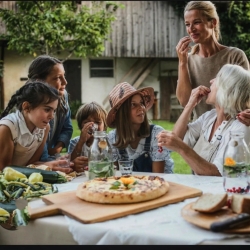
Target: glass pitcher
[(100, 157), (236, 165)]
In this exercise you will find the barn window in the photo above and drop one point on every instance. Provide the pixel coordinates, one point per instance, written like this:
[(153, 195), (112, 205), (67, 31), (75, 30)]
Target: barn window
[(101, 68)]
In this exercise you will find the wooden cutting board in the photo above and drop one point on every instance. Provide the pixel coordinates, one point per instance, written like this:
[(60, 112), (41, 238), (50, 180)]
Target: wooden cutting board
[(69, 204), (204, 220)]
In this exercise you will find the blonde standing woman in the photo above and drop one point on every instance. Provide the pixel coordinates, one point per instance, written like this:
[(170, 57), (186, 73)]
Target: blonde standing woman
[(201, 64)]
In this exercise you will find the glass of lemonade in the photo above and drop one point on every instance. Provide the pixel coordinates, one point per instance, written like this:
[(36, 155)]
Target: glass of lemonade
[(100, 157), (236, 179), (236, 165)]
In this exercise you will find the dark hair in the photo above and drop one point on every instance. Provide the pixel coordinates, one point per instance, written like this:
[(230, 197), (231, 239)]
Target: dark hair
[(123, 125), (41, 67), (35, 93), (91, 109)]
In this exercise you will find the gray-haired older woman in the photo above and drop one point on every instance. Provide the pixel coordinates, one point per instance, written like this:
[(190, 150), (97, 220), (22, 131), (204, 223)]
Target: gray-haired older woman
[(202, 143)]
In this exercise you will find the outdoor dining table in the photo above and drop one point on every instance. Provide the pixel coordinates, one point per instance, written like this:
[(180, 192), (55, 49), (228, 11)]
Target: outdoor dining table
[(160, 226)]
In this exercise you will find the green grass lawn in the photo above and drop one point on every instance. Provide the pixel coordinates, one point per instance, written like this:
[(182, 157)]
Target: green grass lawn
[(180, 166)]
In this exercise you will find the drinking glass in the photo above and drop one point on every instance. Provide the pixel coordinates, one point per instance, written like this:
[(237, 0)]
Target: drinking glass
[(126, 167), (236, 165), (64, 157), (100, 157)]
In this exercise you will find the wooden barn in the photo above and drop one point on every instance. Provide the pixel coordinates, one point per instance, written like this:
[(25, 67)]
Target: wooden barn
[(141, 51)]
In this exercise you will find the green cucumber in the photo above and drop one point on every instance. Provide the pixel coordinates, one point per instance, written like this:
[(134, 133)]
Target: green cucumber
[(48, 176), (8, 206)]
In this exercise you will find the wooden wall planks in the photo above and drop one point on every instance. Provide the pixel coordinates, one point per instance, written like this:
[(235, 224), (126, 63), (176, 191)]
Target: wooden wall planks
[(143, 29)]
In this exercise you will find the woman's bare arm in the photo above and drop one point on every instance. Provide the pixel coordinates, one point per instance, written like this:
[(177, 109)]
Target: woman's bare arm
[(184, 87), (198, 164), (6, 147), (197, 94)]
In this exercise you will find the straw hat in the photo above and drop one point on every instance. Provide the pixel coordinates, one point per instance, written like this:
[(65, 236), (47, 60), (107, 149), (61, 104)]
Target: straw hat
[(121, 92)]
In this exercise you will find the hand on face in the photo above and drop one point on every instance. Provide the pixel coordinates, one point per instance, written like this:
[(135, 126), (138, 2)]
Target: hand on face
[(182, 48), (86, 131), (197, 94)]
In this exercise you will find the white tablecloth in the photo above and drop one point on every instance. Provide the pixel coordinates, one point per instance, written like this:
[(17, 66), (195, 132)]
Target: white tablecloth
[(159, 226)]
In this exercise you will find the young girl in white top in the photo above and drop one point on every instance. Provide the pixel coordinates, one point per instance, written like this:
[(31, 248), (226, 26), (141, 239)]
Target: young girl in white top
[(24, 132)]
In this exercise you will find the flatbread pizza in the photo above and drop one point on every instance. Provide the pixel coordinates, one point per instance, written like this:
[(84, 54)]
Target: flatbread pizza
[(122, 189)]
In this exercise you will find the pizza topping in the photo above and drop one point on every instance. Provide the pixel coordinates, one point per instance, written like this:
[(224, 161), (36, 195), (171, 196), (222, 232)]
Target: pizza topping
[(115, 185), (126, 181), (151, 178)]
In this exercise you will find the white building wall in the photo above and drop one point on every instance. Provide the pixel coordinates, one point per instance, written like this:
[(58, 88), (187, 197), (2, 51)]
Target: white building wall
[(97, 89), (93, 89), (15, 67)]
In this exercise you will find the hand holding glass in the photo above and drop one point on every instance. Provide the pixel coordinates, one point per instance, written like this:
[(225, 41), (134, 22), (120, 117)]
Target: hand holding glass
[(65, 157)]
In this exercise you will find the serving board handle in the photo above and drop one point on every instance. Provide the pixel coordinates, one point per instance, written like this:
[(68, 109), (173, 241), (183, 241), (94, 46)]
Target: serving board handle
[(43, 211)]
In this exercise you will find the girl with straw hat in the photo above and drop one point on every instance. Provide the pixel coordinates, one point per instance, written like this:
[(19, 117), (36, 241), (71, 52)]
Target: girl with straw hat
[(133, 137)]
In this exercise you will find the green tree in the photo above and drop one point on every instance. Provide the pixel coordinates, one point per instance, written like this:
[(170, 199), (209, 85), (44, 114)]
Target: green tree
[(52, 27), (234, 22)]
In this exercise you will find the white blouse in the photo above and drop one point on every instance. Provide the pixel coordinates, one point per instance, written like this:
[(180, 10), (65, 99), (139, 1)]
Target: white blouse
[(221, 134)]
